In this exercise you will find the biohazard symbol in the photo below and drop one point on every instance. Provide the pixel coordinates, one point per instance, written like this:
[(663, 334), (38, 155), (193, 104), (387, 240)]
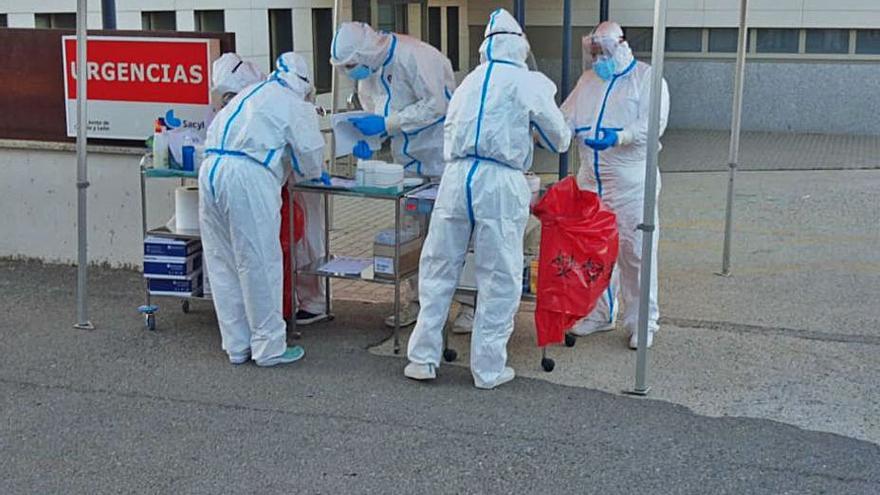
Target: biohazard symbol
[(588, 272)]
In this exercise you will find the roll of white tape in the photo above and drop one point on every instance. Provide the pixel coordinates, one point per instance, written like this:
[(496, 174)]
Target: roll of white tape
[(186, 208)]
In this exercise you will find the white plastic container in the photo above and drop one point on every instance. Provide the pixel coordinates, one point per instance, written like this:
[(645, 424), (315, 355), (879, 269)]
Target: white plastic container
[(160, 147), (387, 175), (364, 172), (534, 186)]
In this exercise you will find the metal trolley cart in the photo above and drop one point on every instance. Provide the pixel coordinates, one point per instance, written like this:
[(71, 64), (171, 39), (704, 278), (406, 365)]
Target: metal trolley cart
[(147, 173), (367, 275)]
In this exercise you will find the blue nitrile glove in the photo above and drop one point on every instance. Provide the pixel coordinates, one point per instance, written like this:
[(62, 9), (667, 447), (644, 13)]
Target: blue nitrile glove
[(607, 138), (325, 178), (362, 150), (369, 125)]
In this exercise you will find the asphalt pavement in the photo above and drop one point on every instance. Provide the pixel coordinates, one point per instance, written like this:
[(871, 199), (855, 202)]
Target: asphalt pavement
[(123, 410)]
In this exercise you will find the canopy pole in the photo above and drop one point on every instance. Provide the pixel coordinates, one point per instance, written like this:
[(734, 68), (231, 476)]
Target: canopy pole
[(519, 12), (82, 180), (564, 85), (603, 10), (108, 14), (735, 131), (650, 201)]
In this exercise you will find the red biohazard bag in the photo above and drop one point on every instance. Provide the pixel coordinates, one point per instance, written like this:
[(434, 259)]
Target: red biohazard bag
[(578, 251), (298, 226)]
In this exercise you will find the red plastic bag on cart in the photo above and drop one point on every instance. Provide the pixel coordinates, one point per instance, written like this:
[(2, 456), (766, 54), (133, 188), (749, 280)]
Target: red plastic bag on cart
[(578, 251), (298, 229)]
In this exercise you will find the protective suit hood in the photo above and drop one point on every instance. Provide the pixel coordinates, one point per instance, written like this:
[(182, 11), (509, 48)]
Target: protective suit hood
[(608, 35), (293, 70), (231, 74), (505, 40), (357, 43)]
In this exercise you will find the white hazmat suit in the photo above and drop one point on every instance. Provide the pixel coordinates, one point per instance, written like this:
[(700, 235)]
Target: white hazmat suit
[(617, 173), (484, 194), (409, 85), (230, 74), (310, 248), (240, 210)]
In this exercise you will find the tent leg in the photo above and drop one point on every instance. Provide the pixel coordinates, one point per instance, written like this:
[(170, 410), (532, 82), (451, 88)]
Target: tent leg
[(566, 73), (735, 132), (82, 180), (647, 227)]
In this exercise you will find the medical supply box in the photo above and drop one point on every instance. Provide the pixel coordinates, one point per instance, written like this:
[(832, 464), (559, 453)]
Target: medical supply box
[(172, 266), (190, 286), (383, 253), (160, 246)]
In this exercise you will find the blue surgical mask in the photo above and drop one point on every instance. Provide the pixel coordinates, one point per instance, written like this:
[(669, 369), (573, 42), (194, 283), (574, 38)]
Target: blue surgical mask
[(360, 72), (605, 68)]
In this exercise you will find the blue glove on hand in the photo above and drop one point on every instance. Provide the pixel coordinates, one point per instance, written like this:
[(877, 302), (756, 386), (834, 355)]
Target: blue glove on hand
[(369, 125), (325, 178), (362, 150), (607, 139)]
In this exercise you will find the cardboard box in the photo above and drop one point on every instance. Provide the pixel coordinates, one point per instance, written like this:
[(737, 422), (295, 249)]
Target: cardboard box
[(171, 267), (161, 246), (187, 287), (383, 258)]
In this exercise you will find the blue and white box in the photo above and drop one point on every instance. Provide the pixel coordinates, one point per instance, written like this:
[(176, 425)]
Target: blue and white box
[(162, 246), (172, 267), (191, 286)]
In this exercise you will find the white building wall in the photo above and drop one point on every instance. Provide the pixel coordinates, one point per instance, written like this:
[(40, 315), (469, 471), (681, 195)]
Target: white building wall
[(861, 14)]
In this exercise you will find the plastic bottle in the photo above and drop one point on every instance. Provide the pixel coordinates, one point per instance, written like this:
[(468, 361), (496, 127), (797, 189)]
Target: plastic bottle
[(160, 146), (188, 151)]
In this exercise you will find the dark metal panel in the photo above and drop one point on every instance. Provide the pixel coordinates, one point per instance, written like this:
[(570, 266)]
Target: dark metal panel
[(32, 104)]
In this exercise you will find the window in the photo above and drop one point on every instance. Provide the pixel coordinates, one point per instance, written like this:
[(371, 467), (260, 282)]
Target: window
[(778, 40), (640, 39), (55, 21), (210, 21), (868, 41), (827, 41), (3, 21), (684, 40), (434, 28), (165, 20), (393, 18), (360, 11), (452, 38), (280, 33), (723, 40), (322, 36)]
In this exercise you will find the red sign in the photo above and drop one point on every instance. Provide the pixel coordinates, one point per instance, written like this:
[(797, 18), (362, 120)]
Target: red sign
[(148, 70)]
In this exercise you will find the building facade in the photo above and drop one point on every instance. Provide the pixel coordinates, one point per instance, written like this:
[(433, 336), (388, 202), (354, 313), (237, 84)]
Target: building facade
[(814, 66)]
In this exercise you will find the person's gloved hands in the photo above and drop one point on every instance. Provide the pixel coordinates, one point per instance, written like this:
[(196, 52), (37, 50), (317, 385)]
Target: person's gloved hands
[(325, 178), (369, 125), (362, 150), (607, 138)]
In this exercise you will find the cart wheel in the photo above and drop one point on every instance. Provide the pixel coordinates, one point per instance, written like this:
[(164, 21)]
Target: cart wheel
[(150, 322), (548, 364), (570, 340), (450, 355), (184, 306)]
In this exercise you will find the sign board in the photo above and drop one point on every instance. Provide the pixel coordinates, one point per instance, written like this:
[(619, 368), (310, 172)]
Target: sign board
[(134, 81)]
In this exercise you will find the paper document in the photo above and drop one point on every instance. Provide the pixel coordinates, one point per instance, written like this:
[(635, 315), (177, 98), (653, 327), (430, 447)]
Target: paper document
[(347, 134), (346, 266)]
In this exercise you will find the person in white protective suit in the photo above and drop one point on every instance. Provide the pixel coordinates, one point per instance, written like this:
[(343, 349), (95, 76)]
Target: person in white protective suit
[(484, 194), (309, 289), (608, 112), (240, 210), (406, 85), (230, 74)]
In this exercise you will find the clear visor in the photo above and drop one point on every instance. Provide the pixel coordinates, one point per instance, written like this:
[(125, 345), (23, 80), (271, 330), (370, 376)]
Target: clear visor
[(598, 47)]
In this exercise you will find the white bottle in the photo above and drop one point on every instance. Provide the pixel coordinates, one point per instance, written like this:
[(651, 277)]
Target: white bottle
[(160, 147)]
